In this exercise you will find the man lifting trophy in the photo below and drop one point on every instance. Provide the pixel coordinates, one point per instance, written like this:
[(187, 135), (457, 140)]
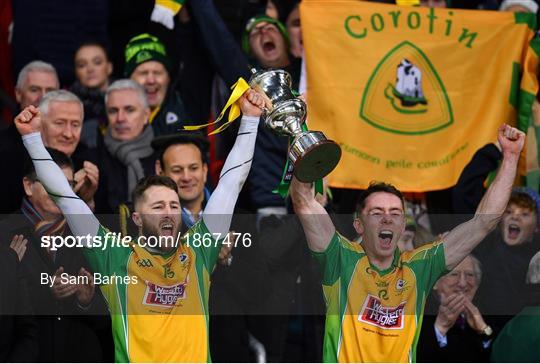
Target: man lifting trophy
[(311, 153)]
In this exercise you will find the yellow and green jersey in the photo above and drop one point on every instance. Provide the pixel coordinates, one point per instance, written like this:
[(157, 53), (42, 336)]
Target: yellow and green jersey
[(374, 315), (159, 310)]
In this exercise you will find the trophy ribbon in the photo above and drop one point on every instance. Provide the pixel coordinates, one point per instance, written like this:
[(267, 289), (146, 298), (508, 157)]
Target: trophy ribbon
[(238, 89)]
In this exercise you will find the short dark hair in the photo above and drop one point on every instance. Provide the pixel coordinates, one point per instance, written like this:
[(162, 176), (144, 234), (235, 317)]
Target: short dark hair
[(376, 186), (162, 143), (149, 181), (58, 157)]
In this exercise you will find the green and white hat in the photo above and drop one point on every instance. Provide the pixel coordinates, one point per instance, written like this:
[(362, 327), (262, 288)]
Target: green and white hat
[(143, 48), (259, 19)]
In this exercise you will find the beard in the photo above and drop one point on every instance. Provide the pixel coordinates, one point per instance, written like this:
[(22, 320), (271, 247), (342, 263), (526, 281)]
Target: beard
[(152, 230)]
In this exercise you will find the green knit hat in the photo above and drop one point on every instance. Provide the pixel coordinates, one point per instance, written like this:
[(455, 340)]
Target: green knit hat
[(251, 23), (143, 48)]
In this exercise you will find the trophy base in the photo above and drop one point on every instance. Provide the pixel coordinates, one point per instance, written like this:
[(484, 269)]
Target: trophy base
[(313, 156)]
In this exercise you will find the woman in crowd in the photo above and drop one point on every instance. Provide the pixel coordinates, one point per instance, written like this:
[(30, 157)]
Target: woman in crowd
[(92, 70)]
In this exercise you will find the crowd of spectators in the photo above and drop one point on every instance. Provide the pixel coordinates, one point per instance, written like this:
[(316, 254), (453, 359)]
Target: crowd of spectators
[(115, 85)]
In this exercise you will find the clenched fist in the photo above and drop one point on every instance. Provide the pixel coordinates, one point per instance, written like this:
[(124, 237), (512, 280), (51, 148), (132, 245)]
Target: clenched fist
[(28, 121), (251, 103), (511, 140)]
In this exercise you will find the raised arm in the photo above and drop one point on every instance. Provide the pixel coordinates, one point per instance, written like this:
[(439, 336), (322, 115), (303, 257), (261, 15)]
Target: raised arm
[(469, 189), (80, 218), (316, 222), (465, 237), (218, 212), (224, 50)]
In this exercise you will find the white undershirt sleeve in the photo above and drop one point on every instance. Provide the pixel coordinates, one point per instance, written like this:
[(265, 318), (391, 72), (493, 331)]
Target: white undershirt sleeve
[(80, 218), (218, 212)]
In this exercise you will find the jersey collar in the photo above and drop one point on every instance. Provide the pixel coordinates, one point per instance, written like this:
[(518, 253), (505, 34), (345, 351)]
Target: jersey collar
[(396, 262)]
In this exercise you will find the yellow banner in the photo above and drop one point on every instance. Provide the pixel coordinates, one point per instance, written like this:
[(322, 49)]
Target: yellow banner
[(411, 93)]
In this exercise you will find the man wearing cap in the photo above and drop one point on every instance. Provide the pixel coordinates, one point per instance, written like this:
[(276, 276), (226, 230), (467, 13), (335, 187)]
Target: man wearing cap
[(147, 64), (265, 44)]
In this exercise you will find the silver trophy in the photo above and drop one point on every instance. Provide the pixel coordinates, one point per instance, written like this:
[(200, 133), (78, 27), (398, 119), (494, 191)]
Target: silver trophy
[(311, 153)]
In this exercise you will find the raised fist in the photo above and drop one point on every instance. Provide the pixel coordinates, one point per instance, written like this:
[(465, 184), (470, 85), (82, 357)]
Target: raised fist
[(28, 121), (511, 140), (251, 103)]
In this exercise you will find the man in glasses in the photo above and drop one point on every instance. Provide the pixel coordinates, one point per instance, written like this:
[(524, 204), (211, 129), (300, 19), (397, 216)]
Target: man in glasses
[(266, 39), (459, 331)]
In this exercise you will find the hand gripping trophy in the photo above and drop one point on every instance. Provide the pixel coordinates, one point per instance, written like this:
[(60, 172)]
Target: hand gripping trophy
[(311, 153)]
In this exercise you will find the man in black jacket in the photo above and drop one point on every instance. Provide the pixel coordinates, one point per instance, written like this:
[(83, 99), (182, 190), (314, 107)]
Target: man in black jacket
[(63, 334), (148, 64), (18, 330), (62, 124), (127, 154), (458, 332), (265, 44), (35, 80)]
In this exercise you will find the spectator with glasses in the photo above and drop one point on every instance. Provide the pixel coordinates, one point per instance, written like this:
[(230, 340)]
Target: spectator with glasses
[(459, 331)]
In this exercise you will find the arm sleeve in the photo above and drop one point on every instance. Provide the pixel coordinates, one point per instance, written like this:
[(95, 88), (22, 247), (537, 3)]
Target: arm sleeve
[(428, 264), (330, 260), (226, 55), (80, 218), (469, 189), (441, 339), (218, 212)]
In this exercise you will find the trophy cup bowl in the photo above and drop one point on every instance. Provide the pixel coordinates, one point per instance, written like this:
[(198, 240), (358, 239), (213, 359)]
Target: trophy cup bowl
[(312, 154)]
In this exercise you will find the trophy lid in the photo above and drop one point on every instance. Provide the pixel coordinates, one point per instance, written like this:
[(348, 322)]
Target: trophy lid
[(274, 85), (270, 76)]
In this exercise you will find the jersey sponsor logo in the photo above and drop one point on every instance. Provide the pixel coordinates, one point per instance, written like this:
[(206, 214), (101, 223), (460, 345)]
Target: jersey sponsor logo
[(163, 296), (375, 313), (144, 263)]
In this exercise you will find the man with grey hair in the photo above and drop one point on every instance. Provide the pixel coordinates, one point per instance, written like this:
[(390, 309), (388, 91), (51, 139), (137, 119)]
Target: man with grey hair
[(459, 331), (62, 114), (34, 81), (127, 155)]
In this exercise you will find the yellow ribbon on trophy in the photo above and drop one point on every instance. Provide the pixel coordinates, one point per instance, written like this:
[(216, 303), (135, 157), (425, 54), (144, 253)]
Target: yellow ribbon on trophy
[(408, 2), (238, 89)]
